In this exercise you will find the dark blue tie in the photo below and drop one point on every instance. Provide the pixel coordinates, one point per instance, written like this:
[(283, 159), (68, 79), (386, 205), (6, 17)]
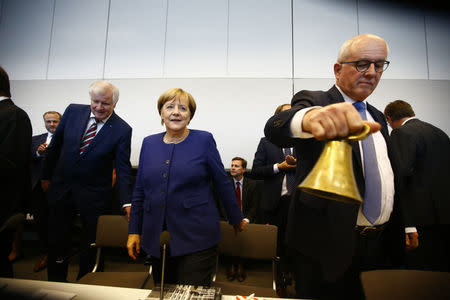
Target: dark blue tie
[(290, 175), (372, 196)]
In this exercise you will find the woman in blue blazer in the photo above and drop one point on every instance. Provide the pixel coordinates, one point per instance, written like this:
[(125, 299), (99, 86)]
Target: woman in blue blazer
[(173, 192)]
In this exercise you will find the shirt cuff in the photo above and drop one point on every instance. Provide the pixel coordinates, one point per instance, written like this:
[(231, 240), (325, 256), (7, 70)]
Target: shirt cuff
[(410, 229), (275, 169), (247, 220), (296, 130), (126, 205)]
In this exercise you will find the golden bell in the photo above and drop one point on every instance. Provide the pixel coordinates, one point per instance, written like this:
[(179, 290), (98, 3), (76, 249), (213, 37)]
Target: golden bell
[(332, 177)]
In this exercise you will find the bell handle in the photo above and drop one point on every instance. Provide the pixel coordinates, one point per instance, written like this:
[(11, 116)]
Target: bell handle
[(362, 135)]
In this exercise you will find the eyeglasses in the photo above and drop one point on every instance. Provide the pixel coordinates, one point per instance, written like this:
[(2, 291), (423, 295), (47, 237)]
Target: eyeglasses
[(364, 65)]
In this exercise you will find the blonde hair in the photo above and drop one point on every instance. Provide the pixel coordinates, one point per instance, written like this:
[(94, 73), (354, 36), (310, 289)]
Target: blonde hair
[(177, 94)]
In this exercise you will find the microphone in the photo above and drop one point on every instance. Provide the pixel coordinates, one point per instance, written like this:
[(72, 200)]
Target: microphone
[(164, 240)]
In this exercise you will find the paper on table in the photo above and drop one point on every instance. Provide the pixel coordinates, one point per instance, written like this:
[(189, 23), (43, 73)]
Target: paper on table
[(46, 294)]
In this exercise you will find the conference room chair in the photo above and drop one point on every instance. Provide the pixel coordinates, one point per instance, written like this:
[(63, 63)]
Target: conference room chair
[(257, 242), (405, 284), (112, 232)]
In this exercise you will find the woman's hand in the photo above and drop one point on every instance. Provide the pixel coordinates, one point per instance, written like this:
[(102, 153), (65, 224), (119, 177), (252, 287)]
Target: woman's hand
[(134, 245), (239, 227)]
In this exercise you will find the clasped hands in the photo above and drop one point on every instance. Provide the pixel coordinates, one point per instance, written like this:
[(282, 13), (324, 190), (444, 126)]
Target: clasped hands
[(290, 163)]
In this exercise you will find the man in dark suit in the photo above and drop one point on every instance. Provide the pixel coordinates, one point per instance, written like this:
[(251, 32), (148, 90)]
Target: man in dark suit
[(15, 188), (333, 242), (247, 197), (39, 205), (276, 166), (422, 152), (89, 142)]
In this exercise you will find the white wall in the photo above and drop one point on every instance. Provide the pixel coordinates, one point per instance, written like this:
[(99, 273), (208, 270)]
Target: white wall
[(238, 58)]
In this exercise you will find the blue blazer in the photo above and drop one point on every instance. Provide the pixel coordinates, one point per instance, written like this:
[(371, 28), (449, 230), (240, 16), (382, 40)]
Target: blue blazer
[(88, 176), (173, 186)]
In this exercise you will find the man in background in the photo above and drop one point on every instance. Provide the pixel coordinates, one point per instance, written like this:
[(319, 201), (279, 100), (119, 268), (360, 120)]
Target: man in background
[(422, 151), (15, 178), (39, 205), (276, 166), (78, 167), (247, 198)]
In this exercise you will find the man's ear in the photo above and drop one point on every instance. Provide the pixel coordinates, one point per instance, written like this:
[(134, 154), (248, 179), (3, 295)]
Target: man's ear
[(337, 70)]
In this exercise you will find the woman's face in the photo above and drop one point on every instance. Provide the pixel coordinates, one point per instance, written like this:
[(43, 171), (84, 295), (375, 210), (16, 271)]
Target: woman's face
[(176, 114)]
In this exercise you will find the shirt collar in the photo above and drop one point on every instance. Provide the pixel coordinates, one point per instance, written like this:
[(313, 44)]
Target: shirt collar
[(408, 120), (102, 121), (240, 181), (347, 98)]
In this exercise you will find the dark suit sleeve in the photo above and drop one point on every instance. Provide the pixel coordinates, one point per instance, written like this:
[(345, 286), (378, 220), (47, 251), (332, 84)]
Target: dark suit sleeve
[(261, 169), (277, 128), (404, 147), (54, 149), (222, 183), (252, 198), (123, 168), (15, 162)]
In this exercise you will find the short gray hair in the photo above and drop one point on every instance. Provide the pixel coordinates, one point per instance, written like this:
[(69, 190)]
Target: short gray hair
[(101, 86), (344, 52)]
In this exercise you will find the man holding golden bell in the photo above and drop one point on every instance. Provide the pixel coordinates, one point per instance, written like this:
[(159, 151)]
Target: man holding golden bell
[(332, 242)]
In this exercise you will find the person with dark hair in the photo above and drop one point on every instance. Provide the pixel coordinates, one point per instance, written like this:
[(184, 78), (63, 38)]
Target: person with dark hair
[(276, 166), (333, 242), (247, 199), (39, 205), (88, 143), (173, 193), (422, 151), (15, 172)]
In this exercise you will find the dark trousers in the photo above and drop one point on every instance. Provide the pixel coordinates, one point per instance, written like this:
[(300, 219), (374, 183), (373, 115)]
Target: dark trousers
[(433, 252), (61, 232), (193, 269), (6, 238), (39, 209), (309, 279), (279, 217)]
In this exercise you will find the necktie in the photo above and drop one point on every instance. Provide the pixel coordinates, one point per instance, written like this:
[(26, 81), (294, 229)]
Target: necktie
[(290, 175), (88, 137), (238, 194), (372, 195)]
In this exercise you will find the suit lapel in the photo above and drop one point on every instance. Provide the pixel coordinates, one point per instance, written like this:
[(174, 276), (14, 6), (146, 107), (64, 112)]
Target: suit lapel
[(103, 133), (83, 119)]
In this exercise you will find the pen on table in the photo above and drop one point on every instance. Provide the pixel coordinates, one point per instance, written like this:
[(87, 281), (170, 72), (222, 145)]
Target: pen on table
[(250, 297)]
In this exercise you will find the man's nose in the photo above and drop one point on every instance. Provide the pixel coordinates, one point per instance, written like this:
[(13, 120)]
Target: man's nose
[(371, 70)]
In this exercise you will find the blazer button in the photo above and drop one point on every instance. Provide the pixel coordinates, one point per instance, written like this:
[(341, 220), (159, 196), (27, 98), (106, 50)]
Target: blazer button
[(165, 175), (167, 162), (163, 206)]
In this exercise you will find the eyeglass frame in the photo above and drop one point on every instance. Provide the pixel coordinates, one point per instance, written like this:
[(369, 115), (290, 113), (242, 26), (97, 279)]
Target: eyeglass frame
[(355, 62)]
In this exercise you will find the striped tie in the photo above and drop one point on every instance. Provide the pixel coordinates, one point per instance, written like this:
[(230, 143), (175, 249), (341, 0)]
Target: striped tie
[(88, 137)]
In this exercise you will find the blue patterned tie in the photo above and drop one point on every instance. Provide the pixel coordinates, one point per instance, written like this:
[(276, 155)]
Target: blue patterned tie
[(290, 175), (372, 196)]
